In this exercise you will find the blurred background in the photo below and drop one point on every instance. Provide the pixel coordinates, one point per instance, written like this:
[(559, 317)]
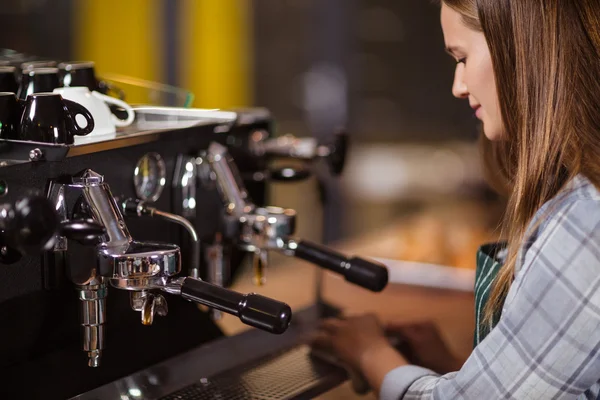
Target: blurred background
[(373, 67)]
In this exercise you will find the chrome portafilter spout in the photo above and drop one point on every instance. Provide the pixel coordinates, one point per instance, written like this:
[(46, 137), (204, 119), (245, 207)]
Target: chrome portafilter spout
[(260, 231), (143, 269), (92, 314), (138, 208), (153, 267)]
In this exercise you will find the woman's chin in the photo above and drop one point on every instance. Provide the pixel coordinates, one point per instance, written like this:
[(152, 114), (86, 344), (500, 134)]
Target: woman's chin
[(492, 134)]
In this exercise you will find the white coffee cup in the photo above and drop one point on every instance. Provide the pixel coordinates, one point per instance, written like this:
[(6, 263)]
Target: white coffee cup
[(105, 122)]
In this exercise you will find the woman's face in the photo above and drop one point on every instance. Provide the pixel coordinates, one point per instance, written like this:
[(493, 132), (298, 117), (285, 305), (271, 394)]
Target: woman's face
[(474, 75)]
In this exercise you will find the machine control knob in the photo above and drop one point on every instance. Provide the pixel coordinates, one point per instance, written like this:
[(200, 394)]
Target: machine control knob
[(29, 224)]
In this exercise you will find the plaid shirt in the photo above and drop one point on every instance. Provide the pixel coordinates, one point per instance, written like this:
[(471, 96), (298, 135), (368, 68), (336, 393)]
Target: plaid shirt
[(547, 342)]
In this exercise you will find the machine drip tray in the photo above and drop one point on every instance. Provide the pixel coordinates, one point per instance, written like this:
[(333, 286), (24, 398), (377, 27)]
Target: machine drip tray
[(251, 365), (290, 374)]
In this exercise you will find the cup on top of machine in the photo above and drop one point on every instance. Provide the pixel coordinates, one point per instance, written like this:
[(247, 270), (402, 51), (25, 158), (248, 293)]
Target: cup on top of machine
[(98, 104), (49, 118)]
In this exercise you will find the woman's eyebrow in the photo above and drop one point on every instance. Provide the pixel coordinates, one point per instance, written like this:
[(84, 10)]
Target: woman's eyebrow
[(452, 50)]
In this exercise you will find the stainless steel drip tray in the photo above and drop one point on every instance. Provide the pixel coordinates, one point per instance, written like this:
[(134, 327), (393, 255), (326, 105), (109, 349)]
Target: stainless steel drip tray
[(290, 374), (252, 365)]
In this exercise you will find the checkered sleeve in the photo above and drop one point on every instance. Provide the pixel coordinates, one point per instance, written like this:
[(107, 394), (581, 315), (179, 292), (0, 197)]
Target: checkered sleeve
[(546, 345)]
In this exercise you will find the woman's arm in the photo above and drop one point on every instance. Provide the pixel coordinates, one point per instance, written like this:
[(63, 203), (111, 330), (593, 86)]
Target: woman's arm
[(547, 343), (376, 364)]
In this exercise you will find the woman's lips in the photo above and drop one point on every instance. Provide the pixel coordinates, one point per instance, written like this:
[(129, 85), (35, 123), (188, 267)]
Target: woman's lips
[(477, 111)]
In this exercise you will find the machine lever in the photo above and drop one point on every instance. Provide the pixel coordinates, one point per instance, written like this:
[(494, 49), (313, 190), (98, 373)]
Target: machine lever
[(252, 309), (368, 274)]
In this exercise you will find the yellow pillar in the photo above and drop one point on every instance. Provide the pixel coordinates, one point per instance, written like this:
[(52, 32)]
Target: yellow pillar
[(215, 52), (121, 36)]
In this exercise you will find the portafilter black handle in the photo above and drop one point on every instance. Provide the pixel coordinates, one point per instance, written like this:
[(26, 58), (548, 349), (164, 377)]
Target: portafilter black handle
[(368, 274), (252, 309)]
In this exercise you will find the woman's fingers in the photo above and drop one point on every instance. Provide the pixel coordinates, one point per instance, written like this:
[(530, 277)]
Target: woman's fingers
[(321, 340), (331, 324)]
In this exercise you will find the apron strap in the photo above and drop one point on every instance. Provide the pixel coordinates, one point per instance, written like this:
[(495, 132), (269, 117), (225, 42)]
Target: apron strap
[(489, 261)]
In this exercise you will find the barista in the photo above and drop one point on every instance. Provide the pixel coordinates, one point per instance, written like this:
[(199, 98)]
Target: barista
[(531, 72)]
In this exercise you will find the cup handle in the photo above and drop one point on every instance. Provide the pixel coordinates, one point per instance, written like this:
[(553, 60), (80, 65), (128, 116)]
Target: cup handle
[(119, 103), (76, 109)]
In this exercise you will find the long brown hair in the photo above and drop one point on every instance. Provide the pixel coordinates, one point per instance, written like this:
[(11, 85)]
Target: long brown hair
[(546, 59)]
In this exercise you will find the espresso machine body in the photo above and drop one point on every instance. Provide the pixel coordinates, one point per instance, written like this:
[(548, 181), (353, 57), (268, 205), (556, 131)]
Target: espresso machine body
[(40, 350), (147, 223)]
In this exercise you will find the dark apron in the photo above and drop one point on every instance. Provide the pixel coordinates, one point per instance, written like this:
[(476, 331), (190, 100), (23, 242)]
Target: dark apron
[(488, 266)]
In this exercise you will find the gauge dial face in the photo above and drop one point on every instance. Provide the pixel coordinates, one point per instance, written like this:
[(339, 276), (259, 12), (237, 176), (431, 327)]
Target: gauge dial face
[(149, 177)]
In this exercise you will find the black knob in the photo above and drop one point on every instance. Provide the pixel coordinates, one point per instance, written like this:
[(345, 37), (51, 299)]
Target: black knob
[(133, 207), (368, 274), (290, 174), (338, 150), (84, 231), (29, 224), (252, 309)]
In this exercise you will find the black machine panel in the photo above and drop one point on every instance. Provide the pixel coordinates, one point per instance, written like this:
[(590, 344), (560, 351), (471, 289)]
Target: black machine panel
[(42, 338)]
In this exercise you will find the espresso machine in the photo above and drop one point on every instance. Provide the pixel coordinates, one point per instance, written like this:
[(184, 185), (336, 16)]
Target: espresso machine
[(109, 246)]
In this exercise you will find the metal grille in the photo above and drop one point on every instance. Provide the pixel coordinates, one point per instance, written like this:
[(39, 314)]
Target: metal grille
[(286, 375)]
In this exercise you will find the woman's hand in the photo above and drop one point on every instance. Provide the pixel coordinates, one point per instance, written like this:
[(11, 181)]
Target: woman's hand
[(361, 344), (423, 345)]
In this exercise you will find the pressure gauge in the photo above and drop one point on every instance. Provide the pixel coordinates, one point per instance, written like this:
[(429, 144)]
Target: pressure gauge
[(149, 177)]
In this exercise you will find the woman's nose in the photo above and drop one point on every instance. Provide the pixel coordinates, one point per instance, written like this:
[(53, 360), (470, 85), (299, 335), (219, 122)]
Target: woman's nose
[(459, 87)]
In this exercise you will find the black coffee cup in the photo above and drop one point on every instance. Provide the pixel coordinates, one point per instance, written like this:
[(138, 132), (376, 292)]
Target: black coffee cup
[(10, 114), (29, 65), (49, 118), (38, 80), (83, 73), (8, 79), (79, 73)]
